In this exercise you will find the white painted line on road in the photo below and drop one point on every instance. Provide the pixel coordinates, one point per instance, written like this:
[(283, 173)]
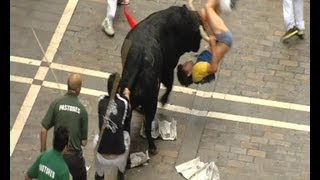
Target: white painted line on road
[(20, 79), (41, 74), (84, 90), (23, 60), (200, 113), (59, 31), (80, 70), (236, 118), (204, 94), (23, 115)]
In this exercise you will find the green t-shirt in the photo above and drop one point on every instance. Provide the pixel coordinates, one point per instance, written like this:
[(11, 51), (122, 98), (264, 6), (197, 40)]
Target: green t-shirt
[(49, 165), (68, 111)]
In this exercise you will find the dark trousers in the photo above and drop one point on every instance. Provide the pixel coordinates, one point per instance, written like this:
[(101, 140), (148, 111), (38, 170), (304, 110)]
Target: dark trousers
[(76, 164)]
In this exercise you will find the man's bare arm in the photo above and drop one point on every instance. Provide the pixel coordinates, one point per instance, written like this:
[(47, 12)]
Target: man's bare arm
[(43, 139)]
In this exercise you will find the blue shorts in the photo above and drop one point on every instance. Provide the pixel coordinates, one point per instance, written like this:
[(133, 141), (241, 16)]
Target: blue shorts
[(225, 37)]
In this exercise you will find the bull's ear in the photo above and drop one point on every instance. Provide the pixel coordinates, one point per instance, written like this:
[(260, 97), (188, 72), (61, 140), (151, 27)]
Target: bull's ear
[(185, 10)]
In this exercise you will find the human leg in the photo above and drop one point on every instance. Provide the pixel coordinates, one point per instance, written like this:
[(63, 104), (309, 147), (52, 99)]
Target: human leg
[(298, 9), (289, 22), (107, 23), (76, 164), (215, 22), (99, 174), (288, 15)]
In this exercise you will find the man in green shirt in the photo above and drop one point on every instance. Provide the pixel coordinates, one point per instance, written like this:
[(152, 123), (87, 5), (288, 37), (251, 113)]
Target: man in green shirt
[(69, 112), (50, 164)]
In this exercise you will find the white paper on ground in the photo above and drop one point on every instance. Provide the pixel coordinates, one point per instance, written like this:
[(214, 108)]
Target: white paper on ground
[(208, 172), (187, 165), (139, 158), (165, 129), (154, 129), (187, 169), (197, 170), (168, 130)]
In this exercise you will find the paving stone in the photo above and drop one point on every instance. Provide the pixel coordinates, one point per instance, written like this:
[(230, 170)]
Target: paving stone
[(257, 153), (288, 63), (238, 150), (257, 76), (295, 69), (249, 145), (169, 160), (235, 163), (242, 137), (275, 67), (284, 74), (260, 140), (271, 135), (245, 158), (262, 53), (278, 142)]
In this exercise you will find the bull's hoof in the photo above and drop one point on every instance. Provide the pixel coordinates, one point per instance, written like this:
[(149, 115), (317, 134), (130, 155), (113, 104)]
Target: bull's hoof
[(153, 151), (139, 109), (164, 100)]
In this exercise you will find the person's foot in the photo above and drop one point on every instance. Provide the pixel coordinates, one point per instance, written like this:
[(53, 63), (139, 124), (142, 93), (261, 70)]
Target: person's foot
[(123, 2), (120, 175), (301, 33), (108, 27), (291, 32), (97, 177)]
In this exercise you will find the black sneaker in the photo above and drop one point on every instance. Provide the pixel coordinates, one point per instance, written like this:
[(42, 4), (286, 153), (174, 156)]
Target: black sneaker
[(291, 32)]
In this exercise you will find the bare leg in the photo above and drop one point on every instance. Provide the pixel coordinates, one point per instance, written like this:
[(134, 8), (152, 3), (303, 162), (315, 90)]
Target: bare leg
[(215, 22)]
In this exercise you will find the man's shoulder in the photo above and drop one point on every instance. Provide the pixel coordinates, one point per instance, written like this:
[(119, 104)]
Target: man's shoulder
[(103, 99)]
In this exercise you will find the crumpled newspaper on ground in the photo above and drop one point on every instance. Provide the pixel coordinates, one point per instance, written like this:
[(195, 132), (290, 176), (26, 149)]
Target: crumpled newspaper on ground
[(165, 129), (139, 158), (197, 170)]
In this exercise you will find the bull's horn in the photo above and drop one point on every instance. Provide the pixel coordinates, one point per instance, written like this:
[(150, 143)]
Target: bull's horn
[(203, 34), (191, 5)]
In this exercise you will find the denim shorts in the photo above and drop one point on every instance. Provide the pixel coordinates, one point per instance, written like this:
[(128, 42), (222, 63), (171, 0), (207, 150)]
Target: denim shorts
[(225, 37)]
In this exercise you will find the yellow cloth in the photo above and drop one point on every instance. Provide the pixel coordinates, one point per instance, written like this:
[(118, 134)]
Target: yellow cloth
[(200, 71)]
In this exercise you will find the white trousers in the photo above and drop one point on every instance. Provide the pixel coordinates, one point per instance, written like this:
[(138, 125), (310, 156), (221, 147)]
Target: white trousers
[(293, 14), (111, 9), (120, 161)]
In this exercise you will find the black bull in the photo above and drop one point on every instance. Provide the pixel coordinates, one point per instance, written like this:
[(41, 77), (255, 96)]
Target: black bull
[(150, 53)]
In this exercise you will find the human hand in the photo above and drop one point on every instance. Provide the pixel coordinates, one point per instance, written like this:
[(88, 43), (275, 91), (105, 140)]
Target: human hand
[(213, 68), (212, 40), (126, 92)]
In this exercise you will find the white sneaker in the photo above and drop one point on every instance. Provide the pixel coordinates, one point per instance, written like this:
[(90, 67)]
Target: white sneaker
[(107, 27)]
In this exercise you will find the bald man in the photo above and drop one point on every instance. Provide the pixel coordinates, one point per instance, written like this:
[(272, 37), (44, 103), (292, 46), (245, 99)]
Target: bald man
[(68, 111)]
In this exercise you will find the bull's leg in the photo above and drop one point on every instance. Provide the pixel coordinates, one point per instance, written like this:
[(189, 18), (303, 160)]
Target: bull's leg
[(149, 116), (167, 81), (150, 108)]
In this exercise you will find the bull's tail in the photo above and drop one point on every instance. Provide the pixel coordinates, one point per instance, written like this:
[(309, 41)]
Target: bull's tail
[(131, 62), (130, 19)]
